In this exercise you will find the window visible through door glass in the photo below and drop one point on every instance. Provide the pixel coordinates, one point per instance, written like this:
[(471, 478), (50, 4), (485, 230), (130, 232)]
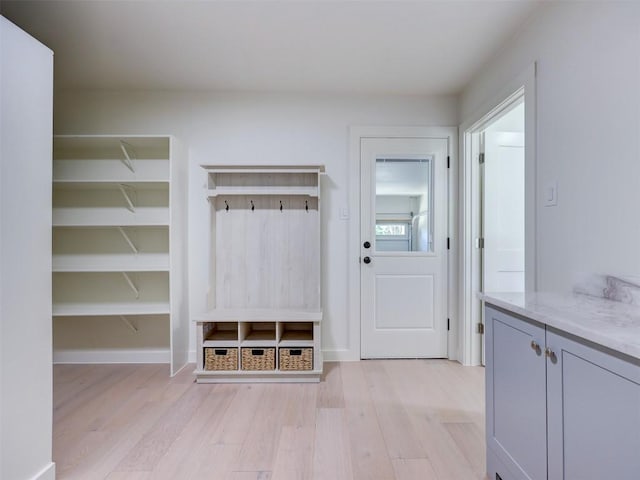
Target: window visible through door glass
[(403, 205)]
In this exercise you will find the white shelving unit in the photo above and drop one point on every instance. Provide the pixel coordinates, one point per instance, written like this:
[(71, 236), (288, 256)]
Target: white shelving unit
[(264, 273), (119, 246)]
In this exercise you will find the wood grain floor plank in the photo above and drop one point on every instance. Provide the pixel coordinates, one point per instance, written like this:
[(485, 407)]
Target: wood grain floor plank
[(364, 422), (250, 476), (425, 399), (121, 433), (259, 446), (300, 410), (396, 426), (157, 441), (294, 455), (413, 469), (182, 459), (129, 476), (330, 389), (213, 463), (236, 424), (470, 441), (368, 449), (332, 456)]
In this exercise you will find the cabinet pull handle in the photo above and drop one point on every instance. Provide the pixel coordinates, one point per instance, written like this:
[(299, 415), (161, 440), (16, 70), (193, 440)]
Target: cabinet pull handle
[(535, 346), (549, 354)]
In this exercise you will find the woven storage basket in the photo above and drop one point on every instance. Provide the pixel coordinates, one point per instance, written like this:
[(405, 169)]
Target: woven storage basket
[(258, 359), (220, 358), (296, 358)]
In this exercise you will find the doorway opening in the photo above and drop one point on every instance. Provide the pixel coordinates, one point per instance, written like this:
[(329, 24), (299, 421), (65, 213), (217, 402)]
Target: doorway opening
[(502, 152), (498, 193)]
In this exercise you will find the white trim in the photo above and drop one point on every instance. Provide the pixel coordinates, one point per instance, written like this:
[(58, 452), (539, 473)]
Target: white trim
[(111, 356), (343, 355), (47, 473), (356, 133), (469, 305)]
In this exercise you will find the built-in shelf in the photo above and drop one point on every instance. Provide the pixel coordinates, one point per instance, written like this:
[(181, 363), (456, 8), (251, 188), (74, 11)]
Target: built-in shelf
[(271, 191), (112, 171), (141, 262), (296, 338), (95, 185), (111, 216), (260, 314), (119, 240), (110, 308)]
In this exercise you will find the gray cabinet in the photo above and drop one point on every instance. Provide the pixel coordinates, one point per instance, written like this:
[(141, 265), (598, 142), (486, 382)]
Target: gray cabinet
[(558, 407), (516, 421), (593, 411)]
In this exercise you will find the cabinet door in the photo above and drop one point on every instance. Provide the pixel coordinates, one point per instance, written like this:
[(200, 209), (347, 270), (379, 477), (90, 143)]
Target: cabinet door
[(594, 412), (516, 397)]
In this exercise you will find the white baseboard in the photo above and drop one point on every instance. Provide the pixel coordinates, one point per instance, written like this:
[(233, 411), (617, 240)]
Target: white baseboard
[(340, 356), (192, 356), (47, 473), (111, 356)]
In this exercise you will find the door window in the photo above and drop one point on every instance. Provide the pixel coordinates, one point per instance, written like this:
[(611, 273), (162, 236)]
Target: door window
[(404, 197)]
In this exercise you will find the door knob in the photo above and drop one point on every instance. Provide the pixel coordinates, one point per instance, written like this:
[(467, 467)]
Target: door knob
[(367, 260), (550, 354), (366, 245)]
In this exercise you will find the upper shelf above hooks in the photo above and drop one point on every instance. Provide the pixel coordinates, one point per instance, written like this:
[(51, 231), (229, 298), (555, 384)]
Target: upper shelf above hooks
[(296, 180)]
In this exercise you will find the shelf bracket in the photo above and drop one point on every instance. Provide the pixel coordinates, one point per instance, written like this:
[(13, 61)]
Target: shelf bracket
[(129, 323), (128, 157), (131, 284), (127, 239), (123, 189)]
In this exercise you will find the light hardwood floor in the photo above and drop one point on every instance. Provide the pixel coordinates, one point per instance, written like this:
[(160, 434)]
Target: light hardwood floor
[(368, 420)]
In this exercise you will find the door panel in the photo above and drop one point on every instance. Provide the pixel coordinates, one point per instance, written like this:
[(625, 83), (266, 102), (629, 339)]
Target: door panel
[(503, 216), (516, 397), (404, 270), (594, 413), (409, 297)]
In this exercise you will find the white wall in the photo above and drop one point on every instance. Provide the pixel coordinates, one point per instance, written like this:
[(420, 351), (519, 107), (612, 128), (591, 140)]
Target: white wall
[(26, 404), (588, 133), (259, 129)]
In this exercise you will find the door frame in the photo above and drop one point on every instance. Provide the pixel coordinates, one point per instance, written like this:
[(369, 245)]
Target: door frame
[(356, 133), (524, 85)]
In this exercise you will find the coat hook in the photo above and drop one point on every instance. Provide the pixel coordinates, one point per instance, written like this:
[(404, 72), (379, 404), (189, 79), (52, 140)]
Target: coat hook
[(306, 205), (253, 207), (280, 205), (227, 205)]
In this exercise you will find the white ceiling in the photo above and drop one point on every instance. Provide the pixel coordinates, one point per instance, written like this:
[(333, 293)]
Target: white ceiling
[(399, 47)]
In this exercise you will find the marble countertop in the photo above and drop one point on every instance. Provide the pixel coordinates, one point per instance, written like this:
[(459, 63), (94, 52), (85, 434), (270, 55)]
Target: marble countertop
[(612, 324)]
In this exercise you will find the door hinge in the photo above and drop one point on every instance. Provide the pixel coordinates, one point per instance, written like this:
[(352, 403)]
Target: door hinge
[(448, 325), (479, 242), (481, 158), (480, 328), (448, 161), (448, 244)]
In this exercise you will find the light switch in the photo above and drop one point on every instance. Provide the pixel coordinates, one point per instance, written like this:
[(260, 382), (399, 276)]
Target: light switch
[(551, 194)]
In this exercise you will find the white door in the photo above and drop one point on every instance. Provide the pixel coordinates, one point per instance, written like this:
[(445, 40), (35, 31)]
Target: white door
[(503, 216), (403, 243)]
